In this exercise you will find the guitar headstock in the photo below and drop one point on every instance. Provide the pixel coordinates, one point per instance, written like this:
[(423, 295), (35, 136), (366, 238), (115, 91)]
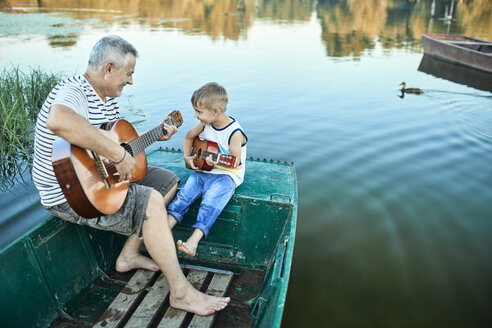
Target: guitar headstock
[(226, 160), (175, 118)]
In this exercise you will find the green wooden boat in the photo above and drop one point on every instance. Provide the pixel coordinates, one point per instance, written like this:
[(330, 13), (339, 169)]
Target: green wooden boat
[(59, 274)]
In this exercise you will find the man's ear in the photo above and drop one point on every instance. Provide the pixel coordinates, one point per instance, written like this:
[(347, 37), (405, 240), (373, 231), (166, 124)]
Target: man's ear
[(108, 68)]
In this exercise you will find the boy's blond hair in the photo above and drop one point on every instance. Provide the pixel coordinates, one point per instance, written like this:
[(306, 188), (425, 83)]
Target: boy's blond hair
[(211, 95)]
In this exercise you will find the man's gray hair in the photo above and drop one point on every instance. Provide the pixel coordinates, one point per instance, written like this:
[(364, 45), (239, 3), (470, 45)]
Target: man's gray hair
[(111, 48)]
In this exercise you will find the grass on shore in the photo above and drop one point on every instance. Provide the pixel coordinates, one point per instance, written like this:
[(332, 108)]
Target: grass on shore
[(21, 96)]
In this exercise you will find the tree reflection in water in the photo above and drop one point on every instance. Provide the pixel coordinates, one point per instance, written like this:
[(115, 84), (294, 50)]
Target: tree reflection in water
[(349, 27)]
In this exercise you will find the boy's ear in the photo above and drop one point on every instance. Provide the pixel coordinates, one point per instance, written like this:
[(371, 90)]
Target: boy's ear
[(217, 110)]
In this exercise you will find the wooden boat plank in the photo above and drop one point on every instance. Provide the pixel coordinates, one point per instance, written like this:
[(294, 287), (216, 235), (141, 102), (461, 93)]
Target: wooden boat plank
[(147, 309), (122, 303), (174, 317), (150, 304), (218, 287)]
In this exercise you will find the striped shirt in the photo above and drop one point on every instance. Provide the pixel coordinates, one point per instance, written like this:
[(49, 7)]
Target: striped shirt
[(77, 94), (223, 139)]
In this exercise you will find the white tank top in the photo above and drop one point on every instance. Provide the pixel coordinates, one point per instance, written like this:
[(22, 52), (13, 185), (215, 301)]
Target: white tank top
[(223, 138)]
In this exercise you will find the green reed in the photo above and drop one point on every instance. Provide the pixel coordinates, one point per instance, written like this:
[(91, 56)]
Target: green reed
[(21, 96)]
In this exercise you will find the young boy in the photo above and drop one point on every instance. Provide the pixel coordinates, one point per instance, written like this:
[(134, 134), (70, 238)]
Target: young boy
[(218, 185)]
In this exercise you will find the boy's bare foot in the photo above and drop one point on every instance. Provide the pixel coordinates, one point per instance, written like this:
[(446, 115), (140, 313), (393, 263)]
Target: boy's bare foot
[(198, 302), (126, 263), (188, 247)]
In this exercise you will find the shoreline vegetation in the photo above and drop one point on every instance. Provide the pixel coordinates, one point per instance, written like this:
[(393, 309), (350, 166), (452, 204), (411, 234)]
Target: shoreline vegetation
[(22, 94)]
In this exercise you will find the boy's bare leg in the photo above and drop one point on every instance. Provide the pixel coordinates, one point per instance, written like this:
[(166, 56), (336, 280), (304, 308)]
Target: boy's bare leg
[(130, 257), (170, 195), (171, 221), (167, 200), (160, 244), (190, 246)]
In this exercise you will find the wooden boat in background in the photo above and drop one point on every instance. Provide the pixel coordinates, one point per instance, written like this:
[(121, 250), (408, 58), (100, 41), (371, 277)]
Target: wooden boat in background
[(459, 49), (58, 274)]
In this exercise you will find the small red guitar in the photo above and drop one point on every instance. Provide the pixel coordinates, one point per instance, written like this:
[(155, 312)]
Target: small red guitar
[(203, 148), (90, 184)]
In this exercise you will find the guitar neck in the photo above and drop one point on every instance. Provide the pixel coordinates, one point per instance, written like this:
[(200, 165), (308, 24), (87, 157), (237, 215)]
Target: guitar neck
[(205, 154), (140, 143), (224, 160)]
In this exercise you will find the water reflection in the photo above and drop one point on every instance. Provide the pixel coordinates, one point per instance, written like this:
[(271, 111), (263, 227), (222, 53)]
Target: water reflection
[(217, 18), (456, 73), (349, 27), (352, 27)]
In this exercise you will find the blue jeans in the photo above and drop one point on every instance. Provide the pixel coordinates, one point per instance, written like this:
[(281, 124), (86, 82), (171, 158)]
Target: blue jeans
[(216, 190)]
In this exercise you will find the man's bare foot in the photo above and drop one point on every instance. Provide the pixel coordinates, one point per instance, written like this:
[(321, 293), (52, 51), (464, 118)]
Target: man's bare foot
[(126, 263), (188, 247), (198, 302)]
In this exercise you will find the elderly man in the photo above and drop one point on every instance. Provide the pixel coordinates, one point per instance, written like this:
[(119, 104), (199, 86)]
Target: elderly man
[(74, 110)]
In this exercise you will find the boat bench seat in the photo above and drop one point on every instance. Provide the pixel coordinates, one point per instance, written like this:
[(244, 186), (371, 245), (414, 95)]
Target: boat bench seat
[(144, 301)]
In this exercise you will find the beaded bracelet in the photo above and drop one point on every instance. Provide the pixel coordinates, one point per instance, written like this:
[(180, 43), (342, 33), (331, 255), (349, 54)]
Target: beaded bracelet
[(121, 160)]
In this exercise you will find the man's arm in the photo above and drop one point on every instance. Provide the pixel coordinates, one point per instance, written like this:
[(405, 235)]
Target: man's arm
[(67, 124)]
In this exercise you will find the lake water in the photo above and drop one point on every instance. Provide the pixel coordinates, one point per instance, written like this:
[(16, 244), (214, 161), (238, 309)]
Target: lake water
[(395, 194)]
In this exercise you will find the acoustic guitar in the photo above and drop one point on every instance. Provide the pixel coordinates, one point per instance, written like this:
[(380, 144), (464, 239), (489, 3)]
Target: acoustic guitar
[(90, 184), (203, 148)]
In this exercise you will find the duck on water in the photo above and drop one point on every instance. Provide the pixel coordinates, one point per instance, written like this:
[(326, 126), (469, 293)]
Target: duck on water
[(404, 89), (409, 90)]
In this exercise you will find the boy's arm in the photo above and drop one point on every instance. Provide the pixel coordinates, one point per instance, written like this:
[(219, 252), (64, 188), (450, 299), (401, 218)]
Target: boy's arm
[(188, 143), (237, 140)]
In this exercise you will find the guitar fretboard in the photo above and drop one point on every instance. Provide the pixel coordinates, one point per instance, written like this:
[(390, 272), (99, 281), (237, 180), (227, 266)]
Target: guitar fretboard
[(139, 144), (205, 154), (221, 159)]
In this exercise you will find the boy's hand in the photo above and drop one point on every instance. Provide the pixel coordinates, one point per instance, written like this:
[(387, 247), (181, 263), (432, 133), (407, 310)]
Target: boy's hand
[(189, 162), (210, 160)]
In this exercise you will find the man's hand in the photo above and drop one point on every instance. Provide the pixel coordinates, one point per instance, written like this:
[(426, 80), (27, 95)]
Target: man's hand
[(125, 167), (169, 129)]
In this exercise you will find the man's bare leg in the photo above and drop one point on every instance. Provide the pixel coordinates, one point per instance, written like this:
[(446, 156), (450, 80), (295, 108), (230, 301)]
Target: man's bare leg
[(130, 257), (189, 247), (160, 244)]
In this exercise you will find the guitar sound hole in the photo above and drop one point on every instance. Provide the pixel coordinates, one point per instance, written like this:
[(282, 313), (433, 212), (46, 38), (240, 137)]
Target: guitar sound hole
[(127, 148), (199, 153)]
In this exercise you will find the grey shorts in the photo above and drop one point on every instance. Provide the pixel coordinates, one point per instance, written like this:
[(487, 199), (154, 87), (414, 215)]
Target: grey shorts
[(129, 218)]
